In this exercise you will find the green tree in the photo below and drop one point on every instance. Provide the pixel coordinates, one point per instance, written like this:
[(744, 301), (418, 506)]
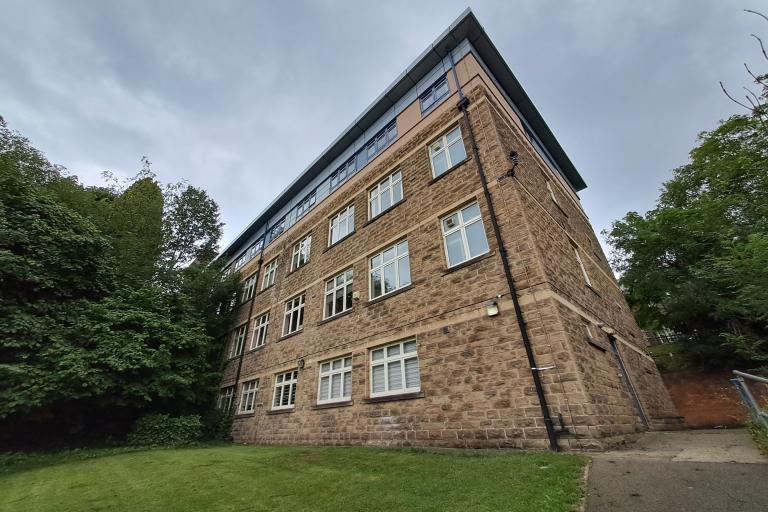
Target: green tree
[(698, 262), (90, 336)]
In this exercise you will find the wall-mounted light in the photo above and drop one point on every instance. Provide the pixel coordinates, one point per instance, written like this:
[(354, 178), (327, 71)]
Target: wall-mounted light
[(492, 308), (356, 295), (301, 364), (610, 331)]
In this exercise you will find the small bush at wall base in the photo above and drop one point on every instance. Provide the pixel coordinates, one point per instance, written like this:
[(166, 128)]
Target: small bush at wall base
[(759, 435), (217, 425), (165, 430)]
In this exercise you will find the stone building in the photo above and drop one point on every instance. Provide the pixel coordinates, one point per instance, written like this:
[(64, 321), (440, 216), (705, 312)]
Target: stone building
[(432, 279)]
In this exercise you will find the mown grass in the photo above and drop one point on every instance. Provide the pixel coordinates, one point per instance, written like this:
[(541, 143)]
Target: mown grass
[(249, 478)]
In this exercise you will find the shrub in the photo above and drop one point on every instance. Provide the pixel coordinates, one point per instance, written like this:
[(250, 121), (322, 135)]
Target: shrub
[(759, 434), (217, 425), (165, 430)]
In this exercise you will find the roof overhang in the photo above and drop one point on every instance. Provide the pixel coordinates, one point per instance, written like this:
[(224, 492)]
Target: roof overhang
[(467, 27)]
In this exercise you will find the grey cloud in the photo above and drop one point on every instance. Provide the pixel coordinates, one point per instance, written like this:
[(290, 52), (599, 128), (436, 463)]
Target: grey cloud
[(239, 96)]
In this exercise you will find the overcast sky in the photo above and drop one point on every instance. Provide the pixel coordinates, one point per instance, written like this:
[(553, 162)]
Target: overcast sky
[(238, 97)]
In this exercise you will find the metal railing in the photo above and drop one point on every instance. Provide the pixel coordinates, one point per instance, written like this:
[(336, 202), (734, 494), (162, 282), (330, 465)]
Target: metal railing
[(740, 382)]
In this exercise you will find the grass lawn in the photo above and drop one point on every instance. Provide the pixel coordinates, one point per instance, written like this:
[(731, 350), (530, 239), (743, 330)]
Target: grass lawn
[(249, 478)]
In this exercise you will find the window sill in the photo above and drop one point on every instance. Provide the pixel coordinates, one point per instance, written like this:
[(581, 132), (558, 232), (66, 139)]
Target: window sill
[(244, 415), (597, 344), (303, 265), (267, 288), (337, 242), (560, 208), (332, 405), (469, 262), (448, 171), (290, 335), (394, 398), (336, 316), (252, 350), (381, 214), (273, 412), (390, 294), (592, 289)]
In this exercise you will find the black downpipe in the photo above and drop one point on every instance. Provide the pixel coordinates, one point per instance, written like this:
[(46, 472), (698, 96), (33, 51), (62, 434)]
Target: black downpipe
[(462, 106)]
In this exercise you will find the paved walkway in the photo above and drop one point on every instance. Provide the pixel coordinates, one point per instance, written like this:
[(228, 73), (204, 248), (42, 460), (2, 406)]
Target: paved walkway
[(691, 470)]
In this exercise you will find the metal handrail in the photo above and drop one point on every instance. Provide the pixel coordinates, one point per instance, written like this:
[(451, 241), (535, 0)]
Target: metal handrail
[(746, 395), (750, 376)]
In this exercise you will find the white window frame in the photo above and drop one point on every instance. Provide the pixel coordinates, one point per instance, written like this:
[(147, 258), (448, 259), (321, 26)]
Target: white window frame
[(375, 193), (249, 289), (248, 396), (444, 143), (287, 379), (581, 266), (462, 228), (345, 217), (348, 279), (432, 95), (401, 357), (380, 267), (260, 331), (294, 306), (326, 371), (238, 340), (300, 253), (226, 398), (306, 204), (270, 272), (588, 328)]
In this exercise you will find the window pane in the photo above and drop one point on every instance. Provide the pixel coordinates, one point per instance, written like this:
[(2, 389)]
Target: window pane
[(376, 283), (455, 248), (347, 384), (439, 163), (470, 212), (284, 400), (394, 376), (376, 261), (393, 350), (336, 365), (386, 200), (377, 378), (390, 278), (457, 152), (402, 247), (325, 367), (339, 300), (397, 192), (324, 388), (404, 269), (478, 244), (411, 373), (374, 207), (336, 386), (453, 134), (348, 362), (389, 254), (329, 305), (377, 354), (409, 346)]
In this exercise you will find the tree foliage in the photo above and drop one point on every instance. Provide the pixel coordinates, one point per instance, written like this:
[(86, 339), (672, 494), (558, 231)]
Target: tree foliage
[(97, 327), (698, 262)]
